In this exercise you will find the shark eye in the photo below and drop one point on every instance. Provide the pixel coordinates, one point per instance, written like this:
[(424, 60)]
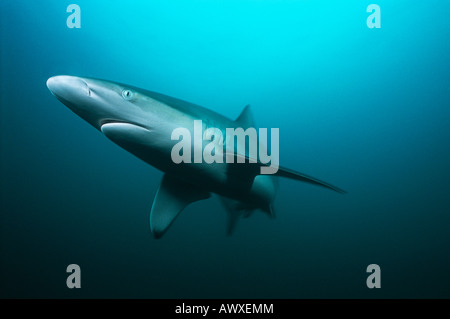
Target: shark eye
[(127, 95)]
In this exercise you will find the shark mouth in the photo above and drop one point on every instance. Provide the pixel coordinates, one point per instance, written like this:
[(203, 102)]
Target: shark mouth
[(120, 122), (125, 133)]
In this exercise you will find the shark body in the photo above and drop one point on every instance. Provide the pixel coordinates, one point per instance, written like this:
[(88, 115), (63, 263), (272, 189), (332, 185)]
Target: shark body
[(142, 122)]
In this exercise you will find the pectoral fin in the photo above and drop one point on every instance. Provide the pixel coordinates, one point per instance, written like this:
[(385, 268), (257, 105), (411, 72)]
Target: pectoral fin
[(171, 198)]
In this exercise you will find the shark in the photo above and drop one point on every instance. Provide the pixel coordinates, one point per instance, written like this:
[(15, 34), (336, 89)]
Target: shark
[(141, 122)]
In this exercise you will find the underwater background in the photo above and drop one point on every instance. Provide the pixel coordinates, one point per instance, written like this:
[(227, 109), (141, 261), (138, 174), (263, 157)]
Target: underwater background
[(365, 109)]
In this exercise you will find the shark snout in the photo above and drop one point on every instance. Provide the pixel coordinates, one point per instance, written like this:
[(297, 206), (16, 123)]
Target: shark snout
[(68, 88)]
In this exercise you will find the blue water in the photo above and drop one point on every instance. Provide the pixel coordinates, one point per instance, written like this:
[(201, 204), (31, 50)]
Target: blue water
[(364, 109)]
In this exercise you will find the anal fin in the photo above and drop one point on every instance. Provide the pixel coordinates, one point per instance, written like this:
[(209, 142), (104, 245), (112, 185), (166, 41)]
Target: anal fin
[(237, 209), (234, 212)]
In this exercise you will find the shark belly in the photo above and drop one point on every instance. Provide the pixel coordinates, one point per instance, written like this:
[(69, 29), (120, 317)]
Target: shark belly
[(229, 180)]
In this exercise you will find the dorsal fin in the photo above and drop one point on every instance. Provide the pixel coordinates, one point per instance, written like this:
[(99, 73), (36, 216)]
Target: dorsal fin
[(245, 119)]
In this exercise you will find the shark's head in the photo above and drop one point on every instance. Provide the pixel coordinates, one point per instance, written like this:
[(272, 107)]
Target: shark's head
[(100, 102)]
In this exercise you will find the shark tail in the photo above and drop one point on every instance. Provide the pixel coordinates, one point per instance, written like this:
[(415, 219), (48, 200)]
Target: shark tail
[(245, 120), (253, 168), (291, 174)]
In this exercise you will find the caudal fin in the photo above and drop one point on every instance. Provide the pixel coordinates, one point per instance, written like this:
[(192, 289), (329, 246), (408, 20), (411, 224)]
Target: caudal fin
[(252, 168), (289, 173)]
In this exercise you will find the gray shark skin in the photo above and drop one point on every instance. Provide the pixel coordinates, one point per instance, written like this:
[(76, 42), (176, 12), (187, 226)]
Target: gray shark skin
[(142, 122)]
